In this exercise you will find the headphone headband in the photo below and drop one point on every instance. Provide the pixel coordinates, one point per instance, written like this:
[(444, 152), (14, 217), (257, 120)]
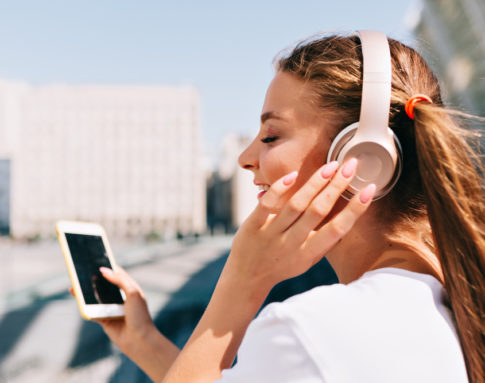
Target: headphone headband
[(376, 86)]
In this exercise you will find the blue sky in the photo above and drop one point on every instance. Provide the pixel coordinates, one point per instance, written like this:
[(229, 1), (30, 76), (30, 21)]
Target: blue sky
[(224, 48)]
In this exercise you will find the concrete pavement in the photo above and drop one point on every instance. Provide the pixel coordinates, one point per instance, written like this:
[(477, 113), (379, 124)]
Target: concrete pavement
[(42, 336)]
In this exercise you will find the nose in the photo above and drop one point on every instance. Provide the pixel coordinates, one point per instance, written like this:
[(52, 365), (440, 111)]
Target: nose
[(248, 159)]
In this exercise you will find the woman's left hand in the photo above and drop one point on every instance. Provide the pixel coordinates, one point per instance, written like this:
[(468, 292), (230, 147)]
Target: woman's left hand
[(281, 240)]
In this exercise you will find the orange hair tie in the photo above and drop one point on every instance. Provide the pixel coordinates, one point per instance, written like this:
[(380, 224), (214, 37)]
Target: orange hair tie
[(409, 107)]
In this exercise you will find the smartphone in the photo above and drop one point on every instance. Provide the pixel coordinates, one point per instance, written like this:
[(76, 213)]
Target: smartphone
[(85, 247)]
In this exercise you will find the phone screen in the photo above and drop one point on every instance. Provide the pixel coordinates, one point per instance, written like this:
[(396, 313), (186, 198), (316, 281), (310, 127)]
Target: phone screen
[(89, 254)]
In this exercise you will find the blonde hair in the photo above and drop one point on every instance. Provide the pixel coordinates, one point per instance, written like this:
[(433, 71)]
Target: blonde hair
[(441, 178)]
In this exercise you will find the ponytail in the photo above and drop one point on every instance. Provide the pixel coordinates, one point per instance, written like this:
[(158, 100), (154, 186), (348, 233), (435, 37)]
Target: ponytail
[(455, 204)]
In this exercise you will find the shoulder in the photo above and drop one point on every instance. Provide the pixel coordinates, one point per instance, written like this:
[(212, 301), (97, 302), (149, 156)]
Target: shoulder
[(285, 342), (378, 302), (387, 315), (274, 350), (306, 305), (334, 303)]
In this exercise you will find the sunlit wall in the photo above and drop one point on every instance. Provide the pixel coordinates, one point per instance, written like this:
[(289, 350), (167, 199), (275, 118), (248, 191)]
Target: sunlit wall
[(126, 156)]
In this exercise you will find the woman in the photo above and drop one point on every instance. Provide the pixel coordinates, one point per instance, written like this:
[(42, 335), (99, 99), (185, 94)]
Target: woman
[(410, 303)]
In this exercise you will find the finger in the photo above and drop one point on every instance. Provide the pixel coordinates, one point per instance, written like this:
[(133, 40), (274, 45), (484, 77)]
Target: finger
[(106, 321), (324, 202), (271, 201), (315, 200), (101, 321), (297, 204), (122, 279), (319, 242), (71, 291)]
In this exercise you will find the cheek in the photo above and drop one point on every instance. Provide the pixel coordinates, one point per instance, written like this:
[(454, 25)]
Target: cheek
[(277, 162), (305, 155)]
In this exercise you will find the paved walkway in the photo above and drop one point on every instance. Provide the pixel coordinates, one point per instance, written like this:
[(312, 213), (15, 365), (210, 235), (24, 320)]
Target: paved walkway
[(44, 339)]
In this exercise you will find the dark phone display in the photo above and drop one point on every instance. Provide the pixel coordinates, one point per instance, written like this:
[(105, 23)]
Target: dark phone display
[(89, 254)]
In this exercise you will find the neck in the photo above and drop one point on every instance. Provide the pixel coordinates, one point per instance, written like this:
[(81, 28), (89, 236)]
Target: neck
[(368, 247)]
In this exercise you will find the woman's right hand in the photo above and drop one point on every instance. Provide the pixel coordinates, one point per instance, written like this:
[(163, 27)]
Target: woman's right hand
[(137, 323), (135, 333)]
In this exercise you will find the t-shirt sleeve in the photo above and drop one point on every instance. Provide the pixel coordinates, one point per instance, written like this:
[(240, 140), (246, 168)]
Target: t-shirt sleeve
[(272, 351)]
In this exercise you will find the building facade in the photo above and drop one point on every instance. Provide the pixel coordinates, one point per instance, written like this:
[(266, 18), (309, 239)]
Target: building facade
[(231, 194), (4, 196), (128, 157)]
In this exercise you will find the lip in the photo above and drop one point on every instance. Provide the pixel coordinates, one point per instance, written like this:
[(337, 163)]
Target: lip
[(262, 192)]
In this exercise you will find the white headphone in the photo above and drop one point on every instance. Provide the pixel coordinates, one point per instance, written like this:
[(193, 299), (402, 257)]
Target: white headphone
[(370, 140)]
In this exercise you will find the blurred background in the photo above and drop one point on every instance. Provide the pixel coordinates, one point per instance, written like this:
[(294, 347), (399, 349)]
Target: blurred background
[(133, 114)]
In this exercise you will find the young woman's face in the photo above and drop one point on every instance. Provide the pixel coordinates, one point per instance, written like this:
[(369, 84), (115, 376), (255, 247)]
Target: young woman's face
[(294, 135)]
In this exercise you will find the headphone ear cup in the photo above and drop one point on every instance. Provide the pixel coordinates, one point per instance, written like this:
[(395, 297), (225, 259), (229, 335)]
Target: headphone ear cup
[(379, 162), (340, 141)]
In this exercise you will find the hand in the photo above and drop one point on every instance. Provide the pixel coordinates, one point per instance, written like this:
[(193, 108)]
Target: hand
[(135, 333), (137, 321), (281, 240)]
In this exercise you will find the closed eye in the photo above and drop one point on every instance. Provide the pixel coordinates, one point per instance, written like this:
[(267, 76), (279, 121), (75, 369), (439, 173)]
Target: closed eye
[(269, 139)]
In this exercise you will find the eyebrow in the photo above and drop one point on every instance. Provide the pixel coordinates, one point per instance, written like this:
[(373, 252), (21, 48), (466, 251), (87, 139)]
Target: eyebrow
[(270, 115)]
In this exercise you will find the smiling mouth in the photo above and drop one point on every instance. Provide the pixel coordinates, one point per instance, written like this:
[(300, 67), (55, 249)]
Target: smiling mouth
[(262, 190)]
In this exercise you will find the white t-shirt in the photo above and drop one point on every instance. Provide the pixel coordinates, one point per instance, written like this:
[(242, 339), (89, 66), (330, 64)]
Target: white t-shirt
[(389, 326)]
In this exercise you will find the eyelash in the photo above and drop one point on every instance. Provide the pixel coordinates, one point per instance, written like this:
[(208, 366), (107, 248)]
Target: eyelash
[(268, 140)]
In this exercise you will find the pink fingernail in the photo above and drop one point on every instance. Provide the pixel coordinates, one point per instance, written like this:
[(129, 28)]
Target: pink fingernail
[(349, 168), (367, 193), (329, 169), (289, 178), (105, 270)]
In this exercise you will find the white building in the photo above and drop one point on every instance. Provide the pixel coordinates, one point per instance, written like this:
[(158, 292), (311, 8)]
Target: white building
[(232, 193), (244, 192), (4, 195), (125, 156)]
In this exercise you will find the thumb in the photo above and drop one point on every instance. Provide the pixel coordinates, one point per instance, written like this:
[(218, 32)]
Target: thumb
[(110, 275), (122, 279)]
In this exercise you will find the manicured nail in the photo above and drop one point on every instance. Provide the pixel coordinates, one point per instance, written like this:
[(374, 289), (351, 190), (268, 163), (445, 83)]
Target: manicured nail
[(105, 270), (349, 168), (328, 170), (367, 193), (289, 178)]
